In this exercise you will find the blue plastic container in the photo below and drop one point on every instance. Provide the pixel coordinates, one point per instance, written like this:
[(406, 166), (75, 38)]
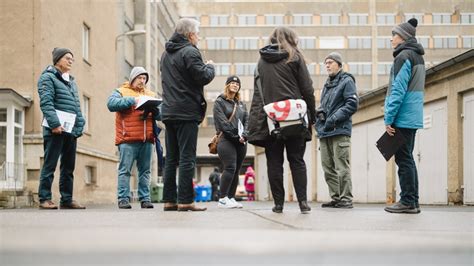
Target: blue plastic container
[(203, 193)]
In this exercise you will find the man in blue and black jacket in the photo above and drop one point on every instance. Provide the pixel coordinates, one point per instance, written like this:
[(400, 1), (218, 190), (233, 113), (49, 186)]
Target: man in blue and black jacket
[(58, 92), (404, 109)]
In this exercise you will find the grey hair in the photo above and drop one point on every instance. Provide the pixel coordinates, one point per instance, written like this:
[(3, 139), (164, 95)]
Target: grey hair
[(187, 25)]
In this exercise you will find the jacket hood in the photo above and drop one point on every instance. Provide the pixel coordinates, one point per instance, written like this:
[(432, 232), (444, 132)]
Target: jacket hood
[(272, 54), (176, 42), (410, 44), (338, 78)]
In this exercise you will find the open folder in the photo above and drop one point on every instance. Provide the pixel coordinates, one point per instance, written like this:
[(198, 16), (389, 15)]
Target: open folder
[(389, 145), (147, 102)]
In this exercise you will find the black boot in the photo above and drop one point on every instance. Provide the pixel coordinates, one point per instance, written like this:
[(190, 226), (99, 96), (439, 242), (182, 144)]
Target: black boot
[(304, 207), (278, 208)]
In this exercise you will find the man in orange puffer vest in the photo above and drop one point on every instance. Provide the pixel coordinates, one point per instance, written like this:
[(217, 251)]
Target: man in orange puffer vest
[(133, 136)]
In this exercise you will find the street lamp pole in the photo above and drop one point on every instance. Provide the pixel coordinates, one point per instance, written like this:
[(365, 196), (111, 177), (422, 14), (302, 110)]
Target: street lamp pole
[(128, 33)]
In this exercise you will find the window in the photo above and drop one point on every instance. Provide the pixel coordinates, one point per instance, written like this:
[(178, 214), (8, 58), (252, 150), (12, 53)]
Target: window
[(445, 42), (468, 42), (217, 43), (424, 41), (90, 177), (245, 20), (330, 19), (358, 19), (385, 19), (331, 42), (363, 69), (246, 43), (322, 69), (311, 68), (307, 42), (384, 43), (210, 120), (467, 18), (244, 69), (441, 18), (274, 19), (3, 135), (383, 68), (302, 19), (85, 111), (85, 41), (219, 20), (222, 69), (418, 16), (360, 42)]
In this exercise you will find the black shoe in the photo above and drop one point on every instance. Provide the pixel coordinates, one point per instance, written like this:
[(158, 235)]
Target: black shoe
[(331, 204), (278, 208), (123, 204), (146, 205), (417, 206), (401, 208), (344, 204), (304, 208)]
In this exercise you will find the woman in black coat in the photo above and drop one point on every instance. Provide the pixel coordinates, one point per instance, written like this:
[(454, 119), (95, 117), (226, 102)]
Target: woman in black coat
[(283, 75), (232, 146)]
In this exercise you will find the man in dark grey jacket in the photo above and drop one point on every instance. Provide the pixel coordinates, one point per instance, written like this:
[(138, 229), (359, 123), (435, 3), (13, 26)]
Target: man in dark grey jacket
[(58, 92), (339, 102), (184, 75)]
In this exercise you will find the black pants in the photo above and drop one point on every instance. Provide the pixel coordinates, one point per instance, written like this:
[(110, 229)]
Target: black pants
[(232, 156), (181, 141), (295, 149), (55, 146), (407, 173)]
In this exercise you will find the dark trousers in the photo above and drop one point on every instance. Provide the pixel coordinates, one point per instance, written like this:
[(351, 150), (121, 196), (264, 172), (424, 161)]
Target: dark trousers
[(407, 173), (55, 146), (232, 156), (181, 141), (295, 149)]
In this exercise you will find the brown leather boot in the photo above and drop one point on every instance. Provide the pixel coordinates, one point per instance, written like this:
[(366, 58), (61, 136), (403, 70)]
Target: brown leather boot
[(72, 205), (190, 207), (170, 206), (48, 205)]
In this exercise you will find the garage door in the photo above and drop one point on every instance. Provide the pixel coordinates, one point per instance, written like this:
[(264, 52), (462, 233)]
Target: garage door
[(468, 147), (431, 156)]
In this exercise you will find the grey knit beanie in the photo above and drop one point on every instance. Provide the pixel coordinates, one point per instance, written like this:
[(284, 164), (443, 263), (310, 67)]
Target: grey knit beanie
[(58, 53), (335, 56), (137, 71), (406, 30)]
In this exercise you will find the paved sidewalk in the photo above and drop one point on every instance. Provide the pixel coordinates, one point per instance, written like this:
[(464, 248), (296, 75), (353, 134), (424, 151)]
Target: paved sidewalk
[(104, 235)]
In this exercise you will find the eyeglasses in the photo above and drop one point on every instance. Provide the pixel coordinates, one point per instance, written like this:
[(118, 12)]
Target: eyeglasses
[(70, 59)]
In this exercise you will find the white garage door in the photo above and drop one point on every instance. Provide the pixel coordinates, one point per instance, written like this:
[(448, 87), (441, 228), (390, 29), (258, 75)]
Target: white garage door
[(430, 155), (468, 147)]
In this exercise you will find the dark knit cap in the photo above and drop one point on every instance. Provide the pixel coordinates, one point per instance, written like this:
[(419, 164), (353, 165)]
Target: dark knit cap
[(334, 56), (406, 30), (58, 53), (232, 78)]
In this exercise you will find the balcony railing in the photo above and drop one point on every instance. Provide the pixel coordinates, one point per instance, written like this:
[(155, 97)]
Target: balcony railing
[(12, 176)]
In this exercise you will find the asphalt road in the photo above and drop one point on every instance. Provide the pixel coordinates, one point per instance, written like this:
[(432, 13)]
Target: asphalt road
[(365, 235)]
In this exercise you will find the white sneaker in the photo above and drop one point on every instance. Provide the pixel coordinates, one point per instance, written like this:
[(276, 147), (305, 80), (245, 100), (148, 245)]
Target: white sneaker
[(239, 205), (226, 203)]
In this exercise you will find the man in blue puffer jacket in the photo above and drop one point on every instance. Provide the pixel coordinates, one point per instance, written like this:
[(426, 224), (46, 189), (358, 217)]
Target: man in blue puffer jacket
[(404, 109), (339, 102), (58, 91)]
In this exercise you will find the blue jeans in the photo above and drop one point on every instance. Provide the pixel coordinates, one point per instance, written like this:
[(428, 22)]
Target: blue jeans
[(407, 173), (130, 152), (181, 142)]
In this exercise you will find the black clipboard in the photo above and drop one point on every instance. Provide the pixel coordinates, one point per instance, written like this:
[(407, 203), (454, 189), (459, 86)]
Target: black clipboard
[(389, 145)]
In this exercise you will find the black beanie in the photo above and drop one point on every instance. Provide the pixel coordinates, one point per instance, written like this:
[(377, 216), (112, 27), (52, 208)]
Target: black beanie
[(58, 53), (232, 78)]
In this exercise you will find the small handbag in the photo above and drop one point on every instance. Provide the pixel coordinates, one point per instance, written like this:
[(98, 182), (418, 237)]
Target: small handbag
[(215, 139)]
